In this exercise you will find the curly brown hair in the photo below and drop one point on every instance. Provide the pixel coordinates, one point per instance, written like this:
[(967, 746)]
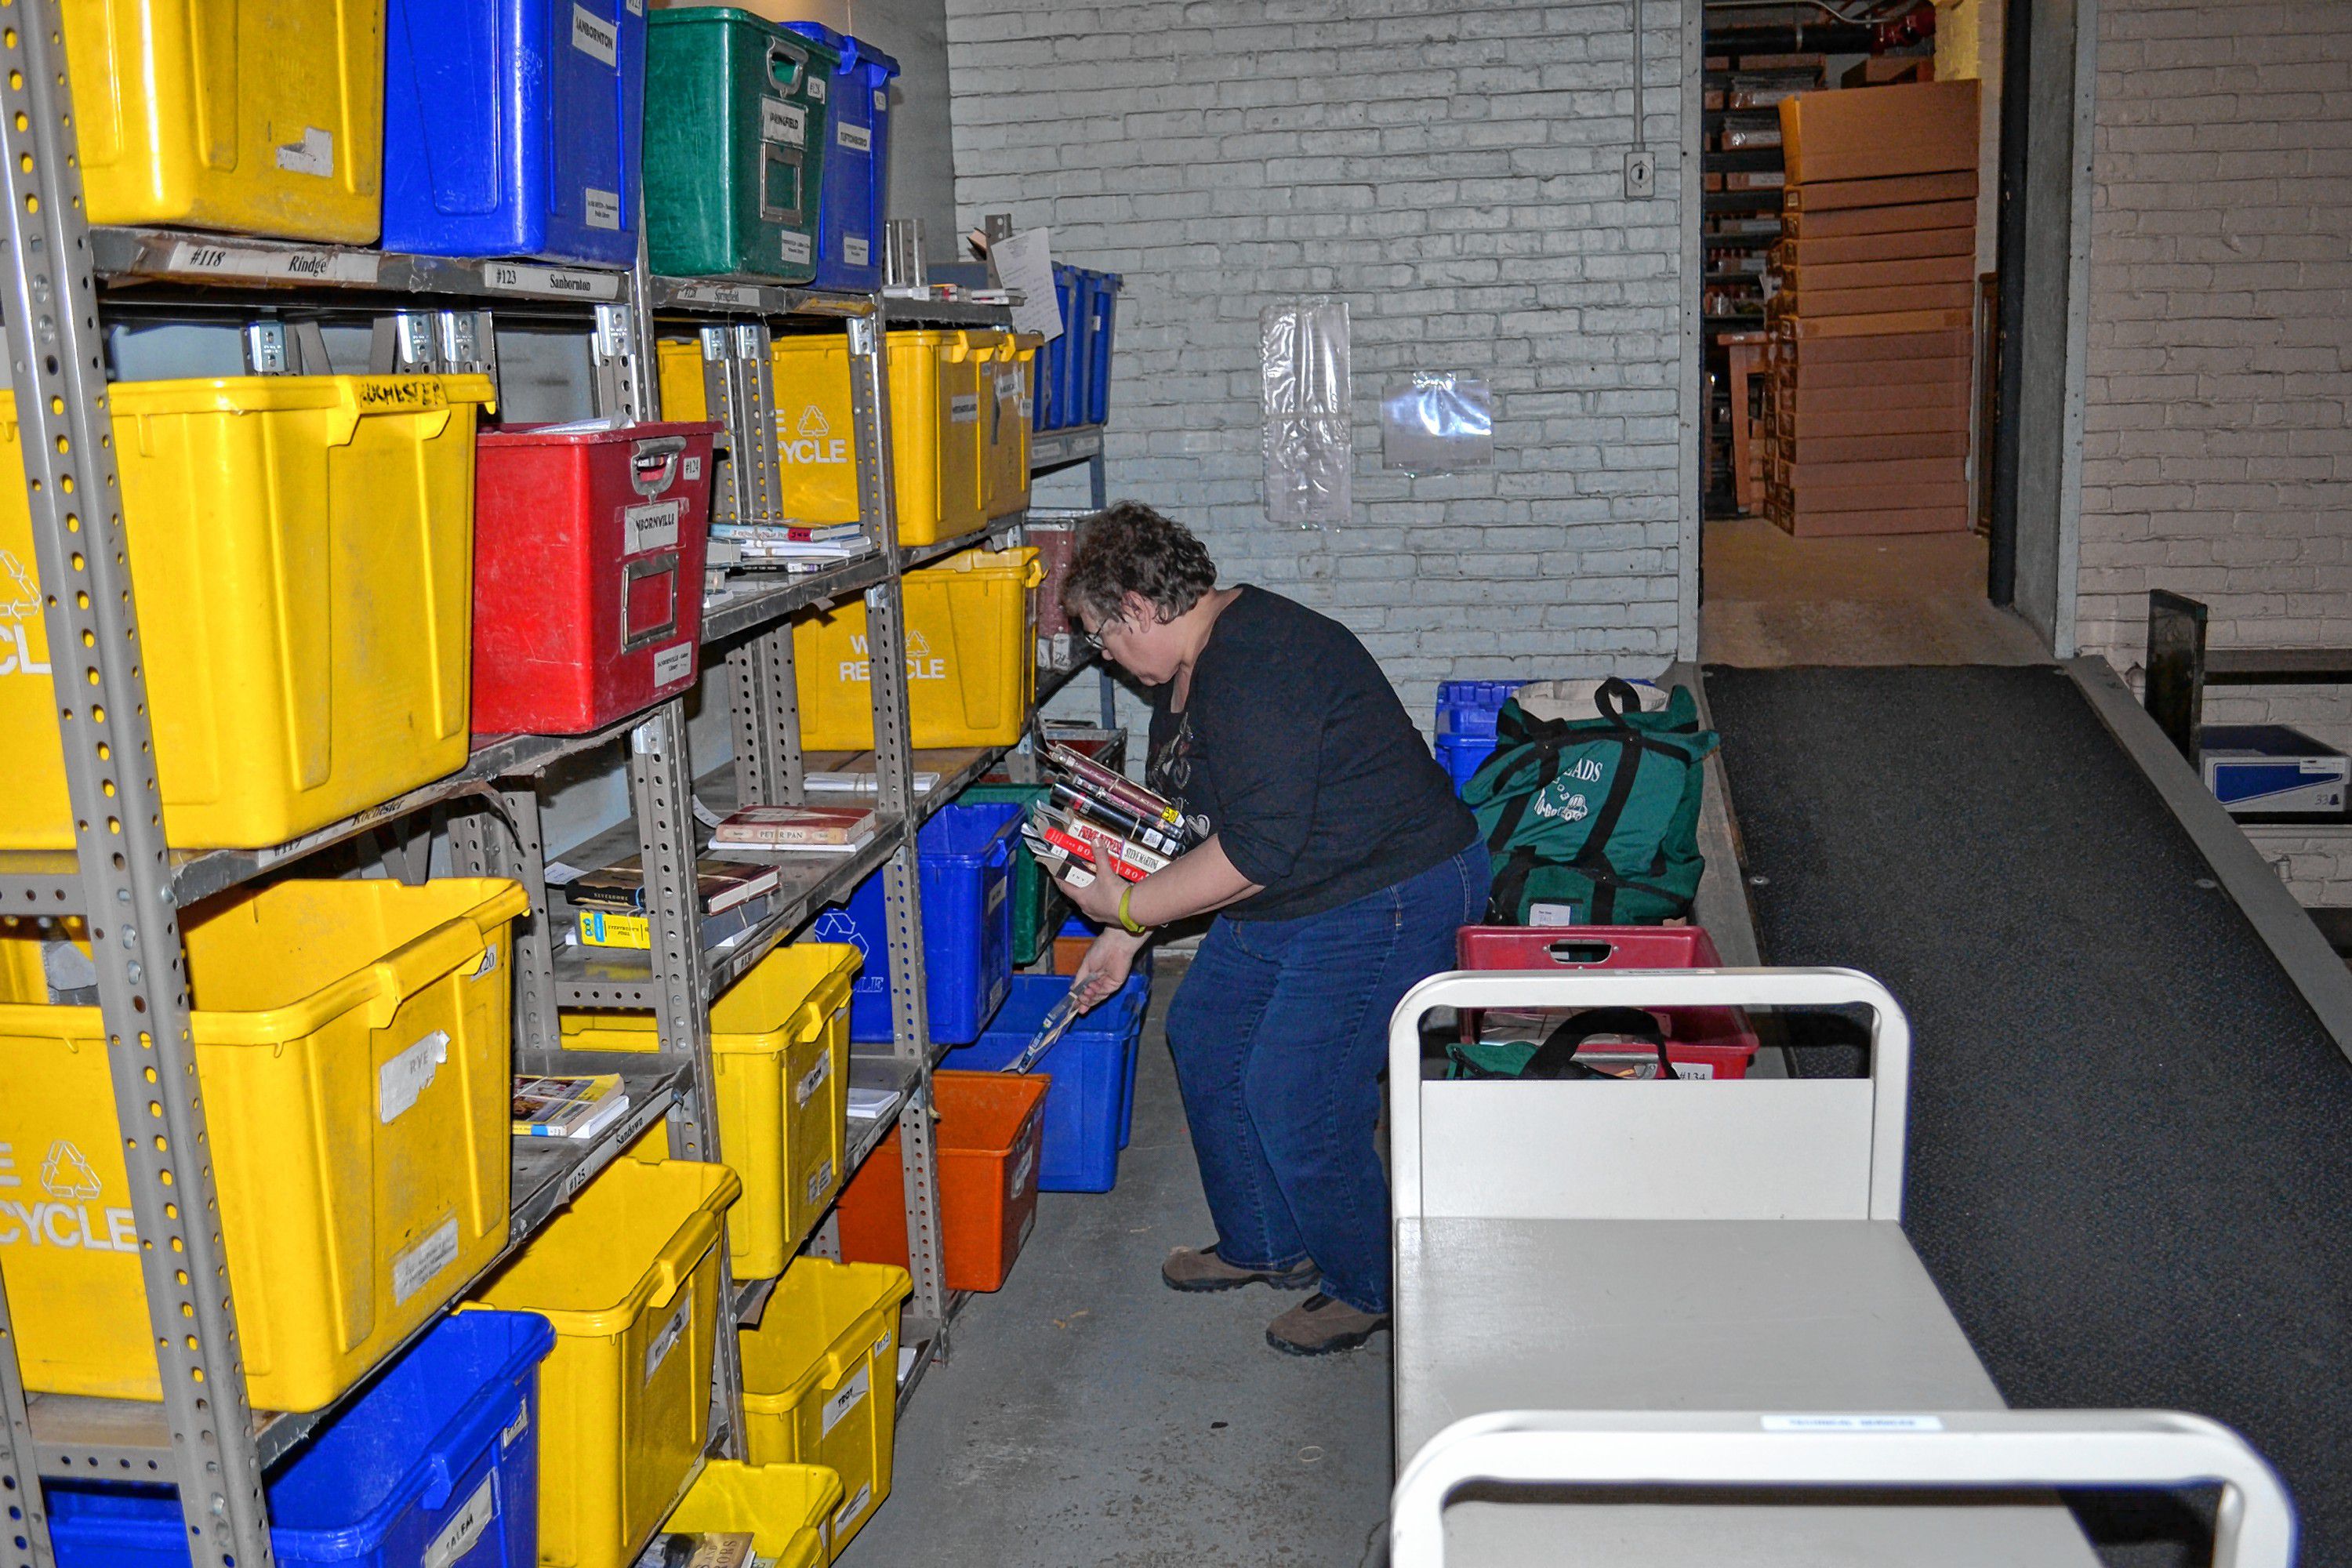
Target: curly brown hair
[(1127, 548)]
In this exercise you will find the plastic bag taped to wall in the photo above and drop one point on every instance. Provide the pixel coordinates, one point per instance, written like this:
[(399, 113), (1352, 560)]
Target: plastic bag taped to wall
[(1437, 422), (1309, 441)]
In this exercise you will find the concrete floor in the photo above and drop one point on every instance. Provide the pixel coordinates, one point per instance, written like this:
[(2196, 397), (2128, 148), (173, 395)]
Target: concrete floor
[(1092, 1415), (1767, 599)]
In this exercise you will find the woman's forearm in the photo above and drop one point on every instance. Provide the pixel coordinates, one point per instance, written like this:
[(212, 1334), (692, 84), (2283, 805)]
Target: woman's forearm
[(1196, 882)]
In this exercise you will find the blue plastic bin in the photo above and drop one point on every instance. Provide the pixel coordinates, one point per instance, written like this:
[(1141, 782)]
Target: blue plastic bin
[(853, 187), (1062, 353), (1090, 1109), (1462, 754), (513, 128), (442, 1453), (966, 855), (1100, 303), (1471, 707)]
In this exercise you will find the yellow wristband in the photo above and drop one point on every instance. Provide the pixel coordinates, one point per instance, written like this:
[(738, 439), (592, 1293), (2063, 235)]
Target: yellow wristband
[(1127, 921)]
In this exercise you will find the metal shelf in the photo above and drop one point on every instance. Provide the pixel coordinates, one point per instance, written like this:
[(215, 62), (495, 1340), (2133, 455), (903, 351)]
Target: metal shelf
[(750, 297), (623, 977), (1050, 449), (761, 598), (1050, 681), (164, 256), (97, 1439), (900, 312), (915, 555)]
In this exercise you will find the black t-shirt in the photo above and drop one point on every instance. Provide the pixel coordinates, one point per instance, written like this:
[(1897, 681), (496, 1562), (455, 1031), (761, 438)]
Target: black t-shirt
[(1294, 747)]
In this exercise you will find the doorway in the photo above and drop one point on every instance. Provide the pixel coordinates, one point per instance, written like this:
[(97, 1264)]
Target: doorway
[(1860, 504)]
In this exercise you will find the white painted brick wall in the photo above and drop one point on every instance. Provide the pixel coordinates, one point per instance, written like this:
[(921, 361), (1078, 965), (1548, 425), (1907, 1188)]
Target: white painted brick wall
[(1455, 172), (2217, 459)]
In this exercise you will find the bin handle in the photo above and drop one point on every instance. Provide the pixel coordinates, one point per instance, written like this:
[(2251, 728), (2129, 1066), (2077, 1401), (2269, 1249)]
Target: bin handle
[(477, 1430), (771, 153), (1036, 574), (808, 1022), (790, 80), (664, 564), (450, 946), (659, 455)]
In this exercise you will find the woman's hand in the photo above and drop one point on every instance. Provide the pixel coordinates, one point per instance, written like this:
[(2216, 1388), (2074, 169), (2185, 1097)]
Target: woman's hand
[(1098, 899), (1105, 968)]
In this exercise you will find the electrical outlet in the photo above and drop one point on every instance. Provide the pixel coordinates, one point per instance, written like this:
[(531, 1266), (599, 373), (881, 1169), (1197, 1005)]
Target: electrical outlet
[(1641, 175)]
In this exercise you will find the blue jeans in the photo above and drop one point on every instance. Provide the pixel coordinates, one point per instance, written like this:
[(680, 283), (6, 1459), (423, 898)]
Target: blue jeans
[(1280, 1032)]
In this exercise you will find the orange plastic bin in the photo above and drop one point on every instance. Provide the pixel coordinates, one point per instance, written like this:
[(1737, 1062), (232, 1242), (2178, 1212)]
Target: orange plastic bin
[(989, 1131)]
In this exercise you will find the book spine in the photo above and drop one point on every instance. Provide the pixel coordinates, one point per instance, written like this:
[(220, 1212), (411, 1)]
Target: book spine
[(1095, 855), (1116, 786), (785, 837), (1153, 835), (1113, 843)]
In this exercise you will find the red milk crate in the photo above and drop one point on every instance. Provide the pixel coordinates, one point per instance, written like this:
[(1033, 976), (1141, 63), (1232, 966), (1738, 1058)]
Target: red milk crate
[(588, 551), (1701, 1042)]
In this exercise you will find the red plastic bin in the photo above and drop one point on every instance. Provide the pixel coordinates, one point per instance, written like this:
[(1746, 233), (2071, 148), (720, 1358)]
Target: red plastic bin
[(1717, 1041), (588, 551), (990, 1132)]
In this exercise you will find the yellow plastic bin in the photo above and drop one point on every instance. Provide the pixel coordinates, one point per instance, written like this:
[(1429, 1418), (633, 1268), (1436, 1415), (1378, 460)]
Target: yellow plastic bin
[(936, 422), (1009, 373), (785, 1508), (261, 116), (629, 1277), (970, 657), (821, 1379), (302, 548), (352, 1040), (780, 1038)]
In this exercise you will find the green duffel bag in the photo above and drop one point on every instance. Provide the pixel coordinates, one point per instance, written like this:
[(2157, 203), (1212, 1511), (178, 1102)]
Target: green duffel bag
[(1595, 820)]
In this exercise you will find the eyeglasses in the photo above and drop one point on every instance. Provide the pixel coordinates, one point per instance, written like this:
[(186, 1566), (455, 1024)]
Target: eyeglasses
[(1095, 639)]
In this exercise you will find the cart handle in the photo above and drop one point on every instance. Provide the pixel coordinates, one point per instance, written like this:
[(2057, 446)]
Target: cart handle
[(1970, 1450)]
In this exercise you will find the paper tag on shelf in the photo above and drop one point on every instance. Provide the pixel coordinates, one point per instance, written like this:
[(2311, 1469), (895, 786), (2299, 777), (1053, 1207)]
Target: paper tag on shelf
[(602, 209), (675, 662), (515, 278), (853, 1507), (793, 246), (235, 261), (820, 1184), (963, 409), (817, 88), (854, 250), (856, 138), (414, 1269)]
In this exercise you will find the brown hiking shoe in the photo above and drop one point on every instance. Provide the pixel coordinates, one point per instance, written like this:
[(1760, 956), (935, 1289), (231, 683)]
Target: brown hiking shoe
[(1319, 1325), (1200, 1268)]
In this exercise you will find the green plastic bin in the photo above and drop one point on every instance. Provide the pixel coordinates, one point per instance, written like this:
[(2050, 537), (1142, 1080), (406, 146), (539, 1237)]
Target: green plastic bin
[(735, 119), (1038, 901)]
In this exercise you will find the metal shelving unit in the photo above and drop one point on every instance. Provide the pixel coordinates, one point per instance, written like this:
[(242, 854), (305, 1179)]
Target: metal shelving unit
[(61, 276)]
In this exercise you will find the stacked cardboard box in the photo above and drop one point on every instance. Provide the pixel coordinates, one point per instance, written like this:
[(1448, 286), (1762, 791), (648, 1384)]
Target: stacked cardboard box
[(1867, 394)]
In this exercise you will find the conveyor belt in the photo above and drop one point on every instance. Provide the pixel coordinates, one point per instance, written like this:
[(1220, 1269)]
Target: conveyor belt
[(2130, 1167)]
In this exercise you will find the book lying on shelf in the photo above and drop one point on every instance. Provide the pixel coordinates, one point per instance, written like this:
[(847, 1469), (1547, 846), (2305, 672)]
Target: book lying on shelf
[(567, 1105), (846, 782), (702, 1548), (872, 1104), (722, 884), (621, 928), (839, 828)]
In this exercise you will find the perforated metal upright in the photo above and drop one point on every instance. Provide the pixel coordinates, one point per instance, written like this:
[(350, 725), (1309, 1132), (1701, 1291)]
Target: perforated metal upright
[(92, 618), (894, 760)]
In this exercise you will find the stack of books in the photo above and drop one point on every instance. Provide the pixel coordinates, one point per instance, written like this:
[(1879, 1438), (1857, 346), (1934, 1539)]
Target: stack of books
[(609, 906), (788, 546), (1097, 821), (567, 1105), (818, 829)]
